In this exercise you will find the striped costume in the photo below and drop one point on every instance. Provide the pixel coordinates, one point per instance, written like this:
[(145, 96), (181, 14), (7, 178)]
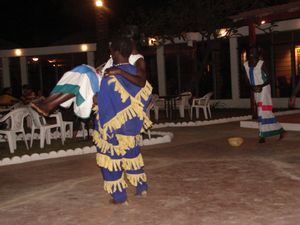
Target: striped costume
[(121, 118), (84, 83), (268, 125)]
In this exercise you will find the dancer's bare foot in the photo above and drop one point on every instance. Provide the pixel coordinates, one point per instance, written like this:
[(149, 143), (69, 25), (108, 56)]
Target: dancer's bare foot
[(39, 109)]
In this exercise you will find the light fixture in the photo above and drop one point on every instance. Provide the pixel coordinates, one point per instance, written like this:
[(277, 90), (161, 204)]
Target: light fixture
[(262, 22), (18, 52), (152, 41), (84, 47), (51, 60), (35, 59), (99, 3), (222, 32)]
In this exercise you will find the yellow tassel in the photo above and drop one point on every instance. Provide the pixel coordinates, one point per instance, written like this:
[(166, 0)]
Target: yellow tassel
[(105, 146), (123, 116), (108, 163), (134, 179), (133, 164), (112, 186), (95, 109), (119, 88), (125, 143), (145, 92), (135, 109)]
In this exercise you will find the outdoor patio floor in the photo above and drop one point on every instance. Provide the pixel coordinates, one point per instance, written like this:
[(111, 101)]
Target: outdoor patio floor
[(198, 179)]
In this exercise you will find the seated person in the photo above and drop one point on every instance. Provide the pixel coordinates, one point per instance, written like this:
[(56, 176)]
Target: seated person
[(6, 98), (28, 94)]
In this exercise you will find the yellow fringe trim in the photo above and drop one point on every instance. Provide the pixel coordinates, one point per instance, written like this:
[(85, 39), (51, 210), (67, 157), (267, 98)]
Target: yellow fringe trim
[(119, 164), (134, 110), (95, 109), (123, 116), (119, 88), (145, 92), (125, 143), (147, 122), (108, 163), (134, 163), (134, 179), (112, 186)]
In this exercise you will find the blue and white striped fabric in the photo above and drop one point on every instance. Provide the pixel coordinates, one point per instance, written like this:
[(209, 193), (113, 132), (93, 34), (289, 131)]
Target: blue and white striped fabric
[(267, 123), (84, 83)]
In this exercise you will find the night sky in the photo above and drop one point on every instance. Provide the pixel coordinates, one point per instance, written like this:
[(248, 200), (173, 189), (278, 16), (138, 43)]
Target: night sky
[(31, 23)]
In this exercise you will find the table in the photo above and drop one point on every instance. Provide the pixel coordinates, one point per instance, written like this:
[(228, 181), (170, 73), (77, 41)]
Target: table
[(170, 105)]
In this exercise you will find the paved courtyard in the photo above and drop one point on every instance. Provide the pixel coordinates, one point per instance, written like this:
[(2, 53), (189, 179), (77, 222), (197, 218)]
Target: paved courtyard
[(198, 179)]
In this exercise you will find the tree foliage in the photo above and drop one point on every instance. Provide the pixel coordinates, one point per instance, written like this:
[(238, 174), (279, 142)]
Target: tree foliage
[(174, 17)]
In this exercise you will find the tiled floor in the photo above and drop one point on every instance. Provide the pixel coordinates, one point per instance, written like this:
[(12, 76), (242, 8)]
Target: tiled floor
[(198, 179)]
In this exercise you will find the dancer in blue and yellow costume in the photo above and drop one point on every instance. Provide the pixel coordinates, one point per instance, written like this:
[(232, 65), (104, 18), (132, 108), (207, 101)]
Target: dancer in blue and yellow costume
[(121, 117)]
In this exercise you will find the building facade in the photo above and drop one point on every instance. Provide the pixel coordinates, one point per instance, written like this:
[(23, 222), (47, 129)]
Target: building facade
[(172, 68)]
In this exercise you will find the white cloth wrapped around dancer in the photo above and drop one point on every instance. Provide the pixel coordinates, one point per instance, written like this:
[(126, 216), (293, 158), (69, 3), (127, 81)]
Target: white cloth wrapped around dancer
[(267, 122), (83, 81)]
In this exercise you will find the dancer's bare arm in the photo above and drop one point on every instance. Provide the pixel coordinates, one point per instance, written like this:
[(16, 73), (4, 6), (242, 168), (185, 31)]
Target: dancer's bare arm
[(139, 79)]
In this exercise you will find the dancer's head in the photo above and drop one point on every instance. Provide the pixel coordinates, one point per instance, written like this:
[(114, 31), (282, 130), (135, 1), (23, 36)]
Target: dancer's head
[(132, 32), (253, 55), (120, 48)]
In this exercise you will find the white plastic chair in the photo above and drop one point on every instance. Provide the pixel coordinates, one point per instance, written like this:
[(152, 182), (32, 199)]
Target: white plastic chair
[(149, 107), (84, 134), (183, 103), (153, 107), (39, 123), (16, 125), (202, 103), (63, 126)]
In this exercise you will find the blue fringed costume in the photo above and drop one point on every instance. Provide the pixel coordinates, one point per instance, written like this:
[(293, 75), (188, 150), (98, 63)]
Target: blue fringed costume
[(120, 120)]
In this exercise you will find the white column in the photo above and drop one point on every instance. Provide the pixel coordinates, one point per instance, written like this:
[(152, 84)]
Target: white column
[(5, 72), (24, 72), (91, 59), (234, 68), (161, 71)]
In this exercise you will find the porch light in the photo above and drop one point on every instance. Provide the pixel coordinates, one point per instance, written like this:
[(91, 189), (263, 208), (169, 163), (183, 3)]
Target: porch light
[(262, 22), (99, 3), (222, 32), (152, 41), (84, 48), (18, 52)]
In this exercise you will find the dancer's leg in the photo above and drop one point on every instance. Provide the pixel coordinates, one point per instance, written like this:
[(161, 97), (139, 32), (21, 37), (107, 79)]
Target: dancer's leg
[(51, 97), (52, 104)]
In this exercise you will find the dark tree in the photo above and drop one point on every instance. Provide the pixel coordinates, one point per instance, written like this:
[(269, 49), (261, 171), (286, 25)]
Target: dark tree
[(173, 18)]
